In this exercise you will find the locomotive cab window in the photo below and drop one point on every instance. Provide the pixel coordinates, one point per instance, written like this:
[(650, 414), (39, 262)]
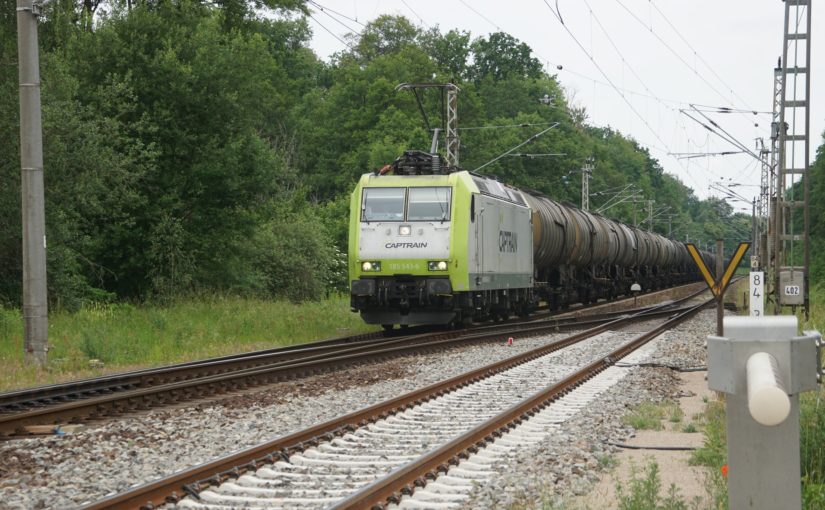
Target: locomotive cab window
[(383, 204), (429, 204)]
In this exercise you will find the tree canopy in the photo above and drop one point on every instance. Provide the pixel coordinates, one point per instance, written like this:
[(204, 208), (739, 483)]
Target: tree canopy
[(203, 147)]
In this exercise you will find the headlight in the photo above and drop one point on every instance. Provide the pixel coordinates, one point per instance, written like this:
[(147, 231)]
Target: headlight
[(404, 230), (437, 265), (371, 266)]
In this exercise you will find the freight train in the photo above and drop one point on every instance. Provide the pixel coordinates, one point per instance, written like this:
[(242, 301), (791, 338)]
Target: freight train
[(430, 246)]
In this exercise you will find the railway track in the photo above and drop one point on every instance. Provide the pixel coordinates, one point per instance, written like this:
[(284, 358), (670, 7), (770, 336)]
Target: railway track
[(122, 393), (327, 463), (44, 396)]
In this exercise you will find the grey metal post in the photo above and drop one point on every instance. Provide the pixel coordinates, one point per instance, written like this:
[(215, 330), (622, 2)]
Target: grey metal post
[(35, 306), (452, 125), (586, 172), (762, 406), (755, 228), (720, 301)]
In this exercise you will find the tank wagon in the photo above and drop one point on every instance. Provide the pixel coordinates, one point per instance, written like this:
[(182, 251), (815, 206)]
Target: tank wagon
[(430, 247)]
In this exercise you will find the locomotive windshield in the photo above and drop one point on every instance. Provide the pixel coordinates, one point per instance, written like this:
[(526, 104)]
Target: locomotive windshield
[(422, 204), (429, 204), (383, 204)]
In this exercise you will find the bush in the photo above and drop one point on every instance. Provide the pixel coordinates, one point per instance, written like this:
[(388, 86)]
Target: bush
[(642, 492), (297, 258)]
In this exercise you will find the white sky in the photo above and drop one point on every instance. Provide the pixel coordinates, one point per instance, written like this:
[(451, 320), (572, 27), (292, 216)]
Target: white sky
[(739, 40)]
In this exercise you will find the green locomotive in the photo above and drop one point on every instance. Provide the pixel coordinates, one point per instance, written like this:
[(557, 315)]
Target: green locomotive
[(431, 247)]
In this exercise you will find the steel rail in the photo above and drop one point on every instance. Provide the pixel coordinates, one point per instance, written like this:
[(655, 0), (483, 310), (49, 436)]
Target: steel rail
[(162, 394), (403, 480), (43, 396), (136, 378), (269, 368), (192, 480)]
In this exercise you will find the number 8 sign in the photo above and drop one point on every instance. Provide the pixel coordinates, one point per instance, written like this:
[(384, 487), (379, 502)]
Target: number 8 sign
[(757, 293)]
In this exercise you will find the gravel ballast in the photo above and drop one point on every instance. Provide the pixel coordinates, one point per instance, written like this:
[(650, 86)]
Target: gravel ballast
[(569, 464), (63, 472)]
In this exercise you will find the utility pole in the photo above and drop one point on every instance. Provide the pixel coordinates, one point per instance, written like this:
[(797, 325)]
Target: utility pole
[(650, 215), (35, 305), (452, 125), (720, 269), (754, 224), (792, 246), (769, 264), (587, 171)]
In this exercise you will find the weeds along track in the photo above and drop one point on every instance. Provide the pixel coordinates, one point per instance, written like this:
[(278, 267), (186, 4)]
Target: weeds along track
[(376, 455), (109, 396)]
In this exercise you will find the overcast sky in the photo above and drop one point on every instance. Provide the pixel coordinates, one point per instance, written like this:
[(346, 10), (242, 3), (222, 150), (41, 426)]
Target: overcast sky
[(668, 54)]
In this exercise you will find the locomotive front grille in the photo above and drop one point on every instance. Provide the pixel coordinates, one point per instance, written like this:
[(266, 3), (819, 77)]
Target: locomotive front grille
[(400, 291)]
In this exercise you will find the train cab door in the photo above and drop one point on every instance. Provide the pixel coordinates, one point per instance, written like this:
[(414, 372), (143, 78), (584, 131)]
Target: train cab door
[(478, 235)]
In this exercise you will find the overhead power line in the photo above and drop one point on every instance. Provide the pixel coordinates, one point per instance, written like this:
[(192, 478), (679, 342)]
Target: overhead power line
[(727, 109), (604, 74), (720, 132), (615, 88), (690, 155), (698, 55), (506, 126), (333, 18), (673, 51), (633, 71), (522, 144), (485, 18), (330, 32), (324, 8), (415, 14)]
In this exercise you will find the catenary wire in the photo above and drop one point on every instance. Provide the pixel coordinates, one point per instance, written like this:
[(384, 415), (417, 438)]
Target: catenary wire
[(485, 18), (673, 51), (415, 14), (634, 73), (698, 55), (333, 18), (345, 43), (322, 7), (613, 85)]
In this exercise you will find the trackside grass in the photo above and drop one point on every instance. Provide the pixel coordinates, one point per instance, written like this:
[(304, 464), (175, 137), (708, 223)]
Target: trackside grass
[(123, 337), (812, 422)]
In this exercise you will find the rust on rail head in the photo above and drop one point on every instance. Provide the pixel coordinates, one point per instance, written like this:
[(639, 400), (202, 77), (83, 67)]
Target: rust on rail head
[(156, 492), (387, 488)]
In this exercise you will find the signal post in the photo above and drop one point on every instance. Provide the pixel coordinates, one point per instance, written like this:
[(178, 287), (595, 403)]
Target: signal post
[(718, 285)]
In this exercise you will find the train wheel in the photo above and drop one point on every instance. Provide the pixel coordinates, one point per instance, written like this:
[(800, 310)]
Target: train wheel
[(466, 320), (387, 327)]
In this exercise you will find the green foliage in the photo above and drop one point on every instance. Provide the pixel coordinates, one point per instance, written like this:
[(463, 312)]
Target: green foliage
[(386, 35), (642, 492), (812, 436), (297, 260), (502, 56), (812, 417), (649, 415), (813, 494), (11, 322), (714, 452), (185, 143), (123, 336), (817, 216)]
